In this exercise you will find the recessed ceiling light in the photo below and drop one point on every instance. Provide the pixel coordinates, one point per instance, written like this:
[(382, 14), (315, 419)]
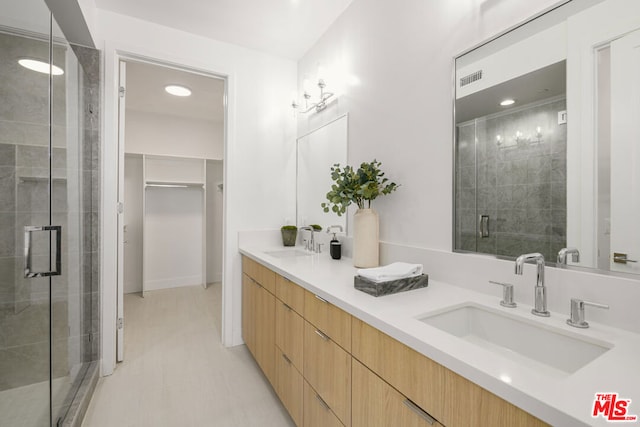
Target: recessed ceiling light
[(508, 102), (40, 66), (178, 90)]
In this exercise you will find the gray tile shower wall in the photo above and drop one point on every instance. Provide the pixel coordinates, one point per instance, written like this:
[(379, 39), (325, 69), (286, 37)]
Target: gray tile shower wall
[(89, 59), (511, 167)]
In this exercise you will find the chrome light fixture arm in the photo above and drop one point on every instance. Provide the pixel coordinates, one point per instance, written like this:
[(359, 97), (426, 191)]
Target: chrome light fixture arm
[(318, 106)]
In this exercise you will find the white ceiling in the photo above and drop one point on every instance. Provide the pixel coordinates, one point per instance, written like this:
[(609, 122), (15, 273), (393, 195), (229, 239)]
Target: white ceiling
[(537, 85), (285, 28), (145, 92)]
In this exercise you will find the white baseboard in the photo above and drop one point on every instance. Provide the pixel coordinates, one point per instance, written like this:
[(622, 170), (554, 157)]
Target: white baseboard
[(172, 282)]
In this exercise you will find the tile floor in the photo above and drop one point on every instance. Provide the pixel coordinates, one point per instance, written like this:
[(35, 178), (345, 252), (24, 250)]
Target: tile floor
[(176, 373)]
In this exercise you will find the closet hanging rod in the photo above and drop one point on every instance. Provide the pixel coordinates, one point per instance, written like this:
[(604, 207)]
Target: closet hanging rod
[(174, 185)]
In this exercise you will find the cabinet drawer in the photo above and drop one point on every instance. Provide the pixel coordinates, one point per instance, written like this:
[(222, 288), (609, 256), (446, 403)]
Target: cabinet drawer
[(316, 411), (265, 336), (290, 293), (289, 333), (261, 274), (248, 266), (289, 386), (329, 319), (401, 367), (448, 397), (377, 404), (327, 368)]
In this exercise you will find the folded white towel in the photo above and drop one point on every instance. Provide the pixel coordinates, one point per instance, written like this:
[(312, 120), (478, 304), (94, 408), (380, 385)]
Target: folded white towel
[(394, 271)]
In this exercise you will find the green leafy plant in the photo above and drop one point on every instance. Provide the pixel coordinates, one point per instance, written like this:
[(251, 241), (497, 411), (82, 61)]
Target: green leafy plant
[(288, 227), (359, 186), (316, 227)]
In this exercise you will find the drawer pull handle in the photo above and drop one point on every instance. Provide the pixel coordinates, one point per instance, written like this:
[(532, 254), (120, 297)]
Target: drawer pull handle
[(286, 306), (322, 335), (322, 299), (286, 359), (419, 411), (322, 402)]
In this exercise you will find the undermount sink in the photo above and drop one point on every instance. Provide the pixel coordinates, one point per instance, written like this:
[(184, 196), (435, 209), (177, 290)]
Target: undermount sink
[(287, 253), (526, 342)]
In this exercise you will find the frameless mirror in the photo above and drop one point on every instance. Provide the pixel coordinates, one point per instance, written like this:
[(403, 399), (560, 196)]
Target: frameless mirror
[(317, 151), (546, 138)]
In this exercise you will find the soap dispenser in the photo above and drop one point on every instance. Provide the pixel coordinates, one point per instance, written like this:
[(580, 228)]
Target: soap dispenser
[(335, 247)]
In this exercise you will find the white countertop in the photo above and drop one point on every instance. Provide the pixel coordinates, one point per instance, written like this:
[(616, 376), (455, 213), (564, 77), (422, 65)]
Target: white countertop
[(556, 397)]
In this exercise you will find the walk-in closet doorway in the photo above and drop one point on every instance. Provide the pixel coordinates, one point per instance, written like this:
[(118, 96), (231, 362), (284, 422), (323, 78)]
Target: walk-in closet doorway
[(171, 135)]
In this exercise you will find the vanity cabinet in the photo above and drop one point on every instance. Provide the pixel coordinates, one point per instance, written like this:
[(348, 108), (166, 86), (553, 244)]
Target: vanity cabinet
[(443, 394), (258, 316), (377, 404), (330, 369)]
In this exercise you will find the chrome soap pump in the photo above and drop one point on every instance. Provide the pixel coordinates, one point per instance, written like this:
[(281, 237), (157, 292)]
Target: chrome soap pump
[(335, 247)]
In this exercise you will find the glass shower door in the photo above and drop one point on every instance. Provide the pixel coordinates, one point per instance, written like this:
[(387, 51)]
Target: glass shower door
[(47, 212), (71, 205), (25, 37)]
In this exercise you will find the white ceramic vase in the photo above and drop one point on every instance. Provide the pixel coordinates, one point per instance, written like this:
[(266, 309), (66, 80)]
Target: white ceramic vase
[(365, 238)]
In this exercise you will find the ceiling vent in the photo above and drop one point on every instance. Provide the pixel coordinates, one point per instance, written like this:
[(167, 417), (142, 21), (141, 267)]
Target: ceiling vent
[(473, 77)]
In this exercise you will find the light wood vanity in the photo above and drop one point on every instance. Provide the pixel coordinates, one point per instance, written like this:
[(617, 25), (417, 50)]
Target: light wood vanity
[(332, 369)]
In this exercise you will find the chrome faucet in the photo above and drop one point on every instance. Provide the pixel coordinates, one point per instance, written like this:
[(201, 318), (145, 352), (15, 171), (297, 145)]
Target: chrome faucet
[(564, 252), (310, 245), (540, 306)]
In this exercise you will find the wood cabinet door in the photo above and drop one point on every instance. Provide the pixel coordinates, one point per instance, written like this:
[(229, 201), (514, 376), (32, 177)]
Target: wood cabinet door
[(289, 386), (327, 368), (316, 411), (376, 404), (248, 312), (290, 333)]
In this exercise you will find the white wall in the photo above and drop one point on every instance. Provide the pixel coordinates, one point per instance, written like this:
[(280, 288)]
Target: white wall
[(533, 53), (215, 171), (259, 152), (152, 133), (173, 237), (133, 189), (394, 63)]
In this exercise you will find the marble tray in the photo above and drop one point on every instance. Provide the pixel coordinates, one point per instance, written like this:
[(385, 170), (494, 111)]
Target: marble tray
[(391, 287)]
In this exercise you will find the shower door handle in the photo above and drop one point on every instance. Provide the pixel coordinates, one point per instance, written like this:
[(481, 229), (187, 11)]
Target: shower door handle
[(28, 271)]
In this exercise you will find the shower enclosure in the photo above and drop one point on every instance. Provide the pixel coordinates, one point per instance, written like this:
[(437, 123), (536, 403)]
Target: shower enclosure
[(511, 183), (49, 145)]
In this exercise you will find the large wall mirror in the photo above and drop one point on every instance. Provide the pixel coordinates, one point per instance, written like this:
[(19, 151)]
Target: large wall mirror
[(547, 138), (317, 151)]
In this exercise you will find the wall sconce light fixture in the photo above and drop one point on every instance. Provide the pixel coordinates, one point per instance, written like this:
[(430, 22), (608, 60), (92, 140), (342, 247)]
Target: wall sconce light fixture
[(520, 140), (320, 105)]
